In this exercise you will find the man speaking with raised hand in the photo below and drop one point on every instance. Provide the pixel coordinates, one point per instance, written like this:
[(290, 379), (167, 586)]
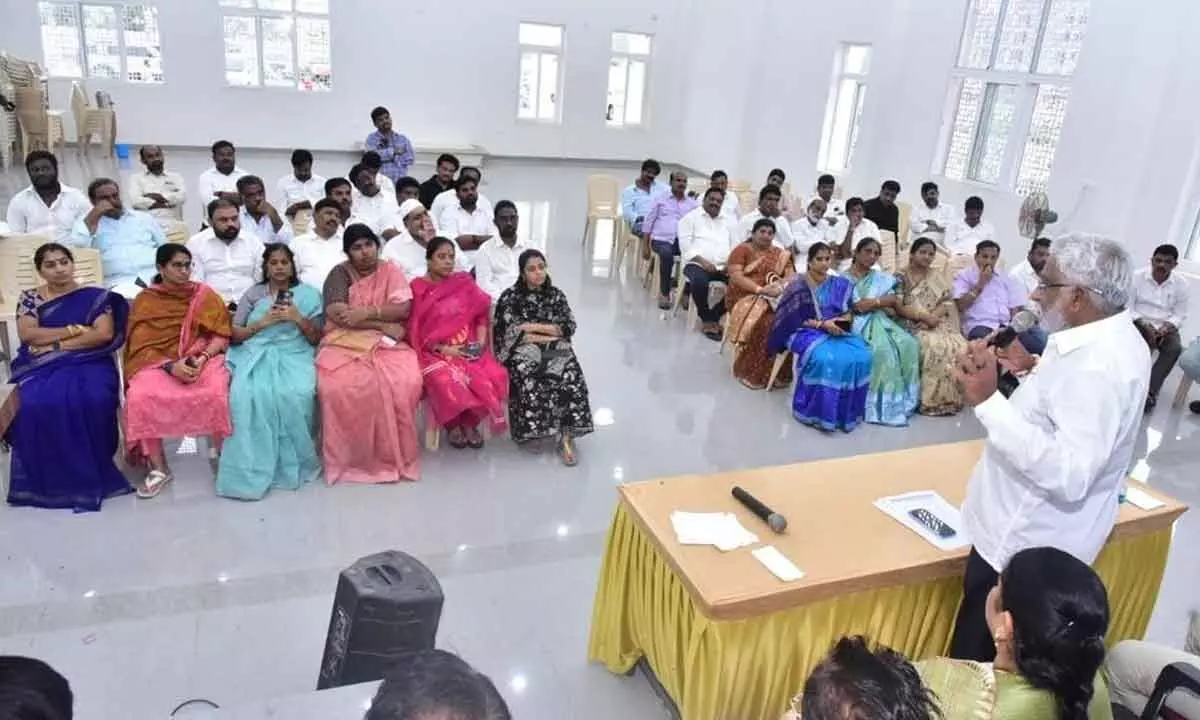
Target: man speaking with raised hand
[(1059, 449)]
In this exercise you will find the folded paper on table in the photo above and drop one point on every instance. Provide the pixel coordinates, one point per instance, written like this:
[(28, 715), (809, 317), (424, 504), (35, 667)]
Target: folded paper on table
[(721, 530), (1142, 499), (898, 507), (777, 563)]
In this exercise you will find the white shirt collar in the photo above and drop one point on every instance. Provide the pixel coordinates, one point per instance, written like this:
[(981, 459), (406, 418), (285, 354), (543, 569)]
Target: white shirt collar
[(1071, 339)]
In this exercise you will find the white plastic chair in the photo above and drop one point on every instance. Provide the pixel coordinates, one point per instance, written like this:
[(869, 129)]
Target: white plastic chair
[(91, 121), (603, 202)]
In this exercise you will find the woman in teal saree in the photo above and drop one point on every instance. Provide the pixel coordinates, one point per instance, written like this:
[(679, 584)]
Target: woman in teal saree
[(895, 388), (272, 397)]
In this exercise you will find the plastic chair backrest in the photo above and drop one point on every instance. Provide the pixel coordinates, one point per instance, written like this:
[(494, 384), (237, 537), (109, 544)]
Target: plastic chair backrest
[(89, 270), (603, 196)]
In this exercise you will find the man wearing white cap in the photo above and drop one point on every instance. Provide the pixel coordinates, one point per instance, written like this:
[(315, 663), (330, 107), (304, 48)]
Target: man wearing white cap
[(408, 248)]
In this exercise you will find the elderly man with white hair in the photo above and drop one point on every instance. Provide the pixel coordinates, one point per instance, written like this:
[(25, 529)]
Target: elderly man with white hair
[(1059, 448)]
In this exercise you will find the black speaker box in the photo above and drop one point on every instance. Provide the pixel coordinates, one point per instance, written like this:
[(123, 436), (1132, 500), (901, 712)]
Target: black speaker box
[(386, 604)]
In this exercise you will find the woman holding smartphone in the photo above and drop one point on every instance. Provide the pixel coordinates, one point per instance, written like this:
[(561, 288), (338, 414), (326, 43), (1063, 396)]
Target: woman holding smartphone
[(464, 385), (273, 394), (833, 365)]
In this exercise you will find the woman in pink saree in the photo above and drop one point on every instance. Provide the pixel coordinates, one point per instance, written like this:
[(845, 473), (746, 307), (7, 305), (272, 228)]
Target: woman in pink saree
[(464, 385), (176, 377), (368, 379)]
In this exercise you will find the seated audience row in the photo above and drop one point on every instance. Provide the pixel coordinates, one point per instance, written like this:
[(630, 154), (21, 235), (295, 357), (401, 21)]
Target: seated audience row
[(249, 381), (1048, 615)]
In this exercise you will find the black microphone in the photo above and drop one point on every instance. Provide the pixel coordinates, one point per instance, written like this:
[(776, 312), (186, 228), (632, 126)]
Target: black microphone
[(1023, 320), (774, 520)]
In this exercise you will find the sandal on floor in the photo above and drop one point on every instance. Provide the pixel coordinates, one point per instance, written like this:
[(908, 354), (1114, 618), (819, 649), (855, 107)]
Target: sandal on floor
[(456, 439), (566, 451), (155, 481), (714, 335), (475, 438)]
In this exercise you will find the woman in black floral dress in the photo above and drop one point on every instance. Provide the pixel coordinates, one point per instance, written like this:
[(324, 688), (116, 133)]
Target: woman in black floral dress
[(548, 396)]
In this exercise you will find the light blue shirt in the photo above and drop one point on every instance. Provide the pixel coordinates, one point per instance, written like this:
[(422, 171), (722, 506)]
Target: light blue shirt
[(127, 246), (635, 202)]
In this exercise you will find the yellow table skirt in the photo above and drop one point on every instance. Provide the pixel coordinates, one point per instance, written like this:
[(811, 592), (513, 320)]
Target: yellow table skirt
[(750, 669)]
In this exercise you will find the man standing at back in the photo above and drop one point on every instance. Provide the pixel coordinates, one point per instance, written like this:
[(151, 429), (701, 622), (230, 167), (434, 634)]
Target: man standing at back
[(394, 149), (1160, 302), (1059, 449), (440, 181), (220, 180), (299, 189), (636, 199)]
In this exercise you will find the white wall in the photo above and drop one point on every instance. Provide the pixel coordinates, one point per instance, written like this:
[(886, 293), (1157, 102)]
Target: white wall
[(447, 71)]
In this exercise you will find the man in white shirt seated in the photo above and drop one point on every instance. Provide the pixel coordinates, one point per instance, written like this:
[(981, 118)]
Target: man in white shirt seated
[(1160, 304), (809, 230), (731, 207), (1059, 449), (834, 209), (341, 192), (849, 230), (705, 240), (128, 240), (496, 267), (963, 236), (220, 180), (448, 199), (46, 207), (408, 248), (1026, 276), (258, 215), (224, 255), (407, 188), (467, 223), (777, 178), (319, 250), (372, 206), (769, 199), (372, 160), (299, 189), (931, 216), (156, 190)]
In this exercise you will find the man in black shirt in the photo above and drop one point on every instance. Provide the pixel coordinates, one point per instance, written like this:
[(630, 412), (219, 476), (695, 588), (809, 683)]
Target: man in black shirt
[(882, 210), (442, 180)]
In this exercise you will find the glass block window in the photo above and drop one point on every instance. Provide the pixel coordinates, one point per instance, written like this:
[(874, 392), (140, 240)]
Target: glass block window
[(1008, 95), (844, 106), (539, 82), (109, 40), (627, 78), (278, 43)]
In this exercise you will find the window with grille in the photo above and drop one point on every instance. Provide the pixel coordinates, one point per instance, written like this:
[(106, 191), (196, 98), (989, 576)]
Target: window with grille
[(843, 109), (277, 43), (539, 83), (1009, 92), (627, 78), (112, 40)]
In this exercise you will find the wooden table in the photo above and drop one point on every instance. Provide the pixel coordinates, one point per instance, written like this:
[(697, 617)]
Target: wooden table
[(728, 640)]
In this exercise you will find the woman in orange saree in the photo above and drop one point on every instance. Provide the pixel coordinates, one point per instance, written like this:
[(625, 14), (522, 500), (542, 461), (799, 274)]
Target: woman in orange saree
[(758, 272), (368, 379), (464, 385), (177, 383)]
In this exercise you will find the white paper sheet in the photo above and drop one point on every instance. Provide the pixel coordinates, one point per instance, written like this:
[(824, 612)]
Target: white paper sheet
[(1142, 499), (898, 507), (721, 530), (777, 563)]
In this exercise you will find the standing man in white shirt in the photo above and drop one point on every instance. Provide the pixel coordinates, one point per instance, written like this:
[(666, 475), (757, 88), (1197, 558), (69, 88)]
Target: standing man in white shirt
[(320, 249), (467, 223), (1058, 451), (731, 208), (46, 207), (496, 268), (963, 236), (705, 240), (769, 206), (1160, 302), (156, 190), (449, 198), (226, 257), (220, 180), (1025, 275), (851, 229), (931, 217), (258, 215), (372, 206), (299, 189)]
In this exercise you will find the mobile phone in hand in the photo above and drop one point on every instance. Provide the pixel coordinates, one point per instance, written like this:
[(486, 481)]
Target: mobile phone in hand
[(283, 298), (844, 324), (473, 350)]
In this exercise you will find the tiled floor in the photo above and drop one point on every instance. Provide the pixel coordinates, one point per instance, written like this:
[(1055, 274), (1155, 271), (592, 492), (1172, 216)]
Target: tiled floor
[(150, 603)]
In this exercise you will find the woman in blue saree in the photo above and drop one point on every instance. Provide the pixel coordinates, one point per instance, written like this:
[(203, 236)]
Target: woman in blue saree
[(61, 419), (896, 354), (272, 397), (833, 365)]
